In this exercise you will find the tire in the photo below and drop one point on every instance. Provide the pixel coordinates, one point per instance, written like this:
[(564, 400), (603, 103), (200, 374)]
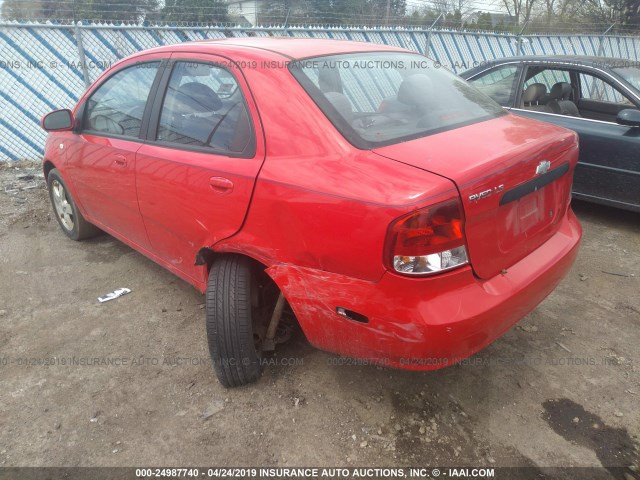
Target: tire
[(229, 322), (66, 211)]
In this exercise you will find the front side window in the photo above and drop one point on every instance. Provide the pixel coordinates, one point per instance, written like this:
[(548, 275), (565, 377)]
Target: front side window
[(117, 106), (204, 107), (630, 74), (381, 98), (596, 89), (498, 83)]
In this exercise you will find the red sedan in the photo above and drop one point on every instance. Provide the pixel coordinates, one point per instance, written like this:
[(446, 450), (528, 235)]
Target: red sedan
[(401, 215)]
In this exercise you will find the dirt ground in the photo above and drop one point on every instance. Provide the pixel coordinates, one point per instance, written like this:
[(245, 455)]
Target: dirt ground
[(560, 389)]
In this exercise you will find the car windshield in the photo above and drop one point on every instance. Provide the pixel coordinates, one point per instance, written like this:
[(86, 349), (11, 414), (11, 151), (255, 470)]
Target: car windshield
[(381, 98), (630, 74)]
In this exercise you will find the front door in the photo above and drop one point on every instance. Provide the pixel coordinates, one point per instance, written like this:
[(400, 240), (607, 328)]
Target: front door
[(102, 160)]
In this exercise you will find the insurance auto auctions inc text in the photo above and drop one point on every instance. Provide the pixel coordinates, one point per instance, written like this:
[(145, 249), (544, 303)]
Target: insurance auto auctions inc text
[(353, 473)]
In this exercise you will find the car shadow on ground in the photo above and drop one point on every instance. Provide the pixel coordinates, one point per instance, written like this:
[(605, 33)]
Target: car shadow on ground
[(606, 215)]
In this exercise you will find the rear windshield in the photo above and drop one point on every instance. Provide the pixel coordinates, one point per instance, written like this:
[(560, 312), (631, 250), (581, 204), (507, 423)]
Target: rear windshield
[(381, 98)]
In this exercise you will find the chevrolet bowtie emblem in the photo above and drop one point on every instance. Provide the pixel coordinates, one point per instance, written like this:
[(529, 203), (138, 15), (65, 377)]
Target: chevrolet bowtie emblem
[(543, 167)]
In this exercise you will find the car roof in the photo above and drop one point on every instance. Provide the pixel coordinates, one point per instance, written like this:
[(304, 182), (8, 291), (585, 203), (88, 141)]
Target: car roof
[(291, 48), (580, 60), (607, 64), (587, 60)]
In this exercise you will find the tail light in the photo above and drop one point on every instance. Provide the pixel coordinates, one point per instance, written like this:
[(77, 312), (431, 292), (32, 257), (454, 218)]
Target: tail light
[(427, 241)]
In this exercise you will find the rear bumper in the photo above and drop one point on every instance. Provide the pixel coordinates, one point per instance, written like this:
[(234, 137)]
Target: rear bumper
[(428, 323)]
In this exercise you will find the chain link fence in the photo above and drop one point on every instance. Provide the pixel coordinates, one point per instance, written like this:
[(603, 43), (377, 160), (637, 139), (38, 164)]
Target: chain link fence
[(45, 66)]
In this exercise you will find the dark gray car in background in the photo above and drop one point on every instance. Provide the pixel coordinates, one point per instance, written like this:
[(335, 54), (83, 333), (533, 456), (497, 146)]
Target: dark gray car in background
[(597, 97)]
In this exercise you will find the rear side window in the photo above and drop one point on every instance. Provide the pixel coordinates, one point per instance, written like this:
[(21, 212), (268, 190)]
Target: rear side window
[(498, 83), (548, 77), (381, 98), (204, 108), (117, 106)]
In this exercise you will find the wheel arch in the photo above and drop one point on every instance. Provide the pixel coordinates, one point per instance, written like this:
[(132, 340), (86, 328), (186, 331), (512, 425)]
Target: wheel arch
[(206, 256), (47, 166)]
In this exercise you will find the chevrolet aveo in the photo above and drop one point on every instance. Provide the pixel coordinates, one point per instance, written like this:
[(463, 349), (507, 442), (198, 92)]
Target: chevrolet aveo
[(401, 215)]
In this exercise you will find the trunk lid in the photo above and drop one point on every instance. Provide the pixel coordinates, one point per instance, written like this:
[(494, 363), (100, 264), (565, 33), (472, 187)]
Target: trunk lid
[(514, 178)]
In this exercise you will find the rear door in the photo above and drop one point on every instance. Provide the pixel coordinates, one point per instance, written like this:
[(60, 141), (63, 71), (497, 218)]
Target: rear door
[(197, 170), (609, 166)]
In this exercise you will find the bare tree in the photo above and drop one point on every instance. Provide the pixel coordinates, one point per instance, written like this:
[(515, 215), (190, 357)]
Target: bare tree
[(519, 9), (458, 8)]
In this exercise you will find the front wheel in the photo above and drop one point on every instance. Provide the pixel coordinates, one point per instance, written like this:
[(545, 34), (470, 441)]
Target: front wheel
[(67, 214), (230, 333)]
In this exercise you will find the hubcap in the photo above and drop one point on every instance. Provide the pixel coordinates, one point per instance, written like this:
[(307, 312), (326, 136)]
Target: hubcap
[(62, 205)]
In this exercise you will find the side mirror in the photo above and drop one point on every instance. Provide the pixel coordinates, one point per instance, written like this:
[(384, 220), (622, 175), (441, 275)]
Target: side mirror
[(629, 117), (58, 121)]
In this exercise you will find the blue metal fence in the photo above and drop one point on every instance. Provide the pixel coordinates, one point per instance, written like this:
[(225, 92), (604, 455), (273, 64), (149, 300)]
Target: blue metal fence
[(46, 66)]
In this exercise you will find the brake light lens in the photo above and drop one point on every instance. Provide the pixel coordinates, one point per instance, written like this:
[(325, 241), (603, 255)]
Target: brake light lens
[(429, 240)]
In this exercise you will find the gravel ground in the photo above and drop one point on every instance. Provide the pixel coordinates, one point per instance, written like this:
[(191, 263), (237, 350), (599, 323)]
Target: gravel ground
[(560, 389)]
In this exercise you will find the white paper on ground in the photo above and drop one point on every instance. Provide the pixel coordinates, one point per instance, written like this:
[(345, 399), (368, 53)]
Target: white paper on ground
[(115, 294)]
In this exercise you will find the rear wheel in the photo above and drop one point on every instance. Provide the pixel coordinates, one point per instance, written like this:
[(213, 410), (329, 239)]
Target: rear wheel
[(67, 214), (231, 303)]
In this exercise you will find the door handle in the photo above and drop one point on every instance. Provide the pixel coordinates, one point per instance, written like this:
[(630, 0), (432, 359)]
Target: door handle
[(221, 184), (121, 160)]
